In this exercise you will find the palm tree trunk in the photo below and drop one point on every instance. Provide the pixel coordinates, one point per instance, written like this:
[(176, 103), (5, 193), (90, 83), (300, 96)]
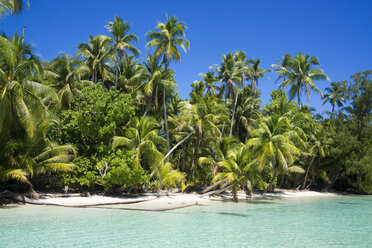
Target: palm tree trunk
[(234, 193), (32, 191), (116, 71), (147, 107), (165, 113), (307, 173), (299, 94), (178, 144), (270, 187), (233, 114), (223, 126)]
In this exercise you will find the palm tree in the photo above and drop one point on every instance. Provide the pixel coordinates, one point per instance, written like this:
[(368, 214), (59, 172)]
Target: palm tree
[(131, 74), (229, 73), (235, 168), (119, 31), (282, 65), (209, 81), (96, 54), (300, 75), (67, 78), (153, 75), (19, 91), (273, 143), (142, 135), (21, 159), (165, 41), (319, 141), (202, 119), (256, 72), (13, 6), (335, 95)]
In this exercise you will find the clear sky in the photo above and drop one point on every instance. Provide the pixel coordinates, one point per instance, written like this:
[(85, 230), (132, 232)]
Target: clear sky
[(338, 32)]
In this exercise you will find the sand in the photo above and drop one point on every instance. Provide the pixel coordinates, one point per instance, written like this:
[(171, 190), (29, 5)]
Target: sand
[(167, 200)]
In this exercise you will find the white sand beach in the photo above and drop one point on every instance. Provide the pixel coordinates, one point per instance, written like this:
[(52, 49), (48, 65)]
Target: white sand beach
[(168, 200)]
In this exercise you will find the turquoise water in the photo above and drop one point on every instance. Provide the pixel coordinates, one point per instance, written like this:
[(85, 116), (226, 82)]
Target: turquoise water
[(344, 221)]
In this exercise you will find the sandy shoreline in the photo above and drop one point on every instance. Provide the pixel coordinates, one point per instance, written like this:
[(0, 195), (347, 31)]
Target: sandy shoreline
[(165, 200)]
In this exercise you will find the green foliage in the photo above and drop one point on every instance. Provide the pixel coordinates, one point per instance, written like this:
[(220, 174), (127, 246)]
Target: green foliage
[(94, 119)]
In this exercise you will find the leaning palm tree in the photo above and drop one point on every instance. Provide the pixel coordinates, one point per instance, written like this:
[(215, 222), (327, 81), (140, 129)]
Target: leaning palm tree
[(234, 168), (166, 42), (22, 98), (119, 31), (273, 144), (300, 75), (21, 159)]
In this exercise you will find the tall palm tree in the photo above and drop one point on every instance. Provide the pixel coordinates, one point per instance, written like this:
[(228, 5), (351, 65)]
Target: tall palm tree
[(256, 72), (209, 81), (96, 54), (282, 65), (153, 75), (300, 75), (273, 143), (22, 99), (119, 31), (170, 35), (335, 95), (229, 73)]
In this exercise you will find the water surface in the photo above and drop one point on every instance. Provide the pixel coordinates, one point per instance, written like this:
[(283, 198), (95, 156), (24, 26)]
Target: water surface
[(343, 221)]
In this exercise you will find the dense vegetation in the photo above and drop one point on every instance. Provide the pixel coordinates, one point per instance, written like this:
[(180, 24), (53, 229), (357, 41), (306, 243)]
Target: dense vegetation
[(107, 119)]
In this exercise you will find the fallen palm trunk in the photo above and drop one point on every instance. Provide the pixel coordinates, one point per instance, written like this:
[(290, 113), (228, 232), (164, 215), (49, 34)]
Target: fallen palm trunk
[(157, 209), (219, 190), (213, 186)]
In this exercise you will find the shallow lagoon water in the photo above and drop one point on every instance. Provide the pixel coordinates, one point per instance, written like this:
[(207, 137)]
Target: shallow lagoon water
[(342, 221)]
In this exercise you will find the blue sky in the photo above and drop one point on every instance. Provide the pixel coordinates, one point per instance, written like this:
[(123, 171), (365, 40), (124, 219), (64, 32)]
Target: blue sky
[(339, 32)]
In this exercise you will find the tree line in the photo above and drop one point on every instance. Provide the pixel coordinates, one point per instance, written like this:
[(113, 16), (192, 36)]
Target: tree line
[(106, 119)]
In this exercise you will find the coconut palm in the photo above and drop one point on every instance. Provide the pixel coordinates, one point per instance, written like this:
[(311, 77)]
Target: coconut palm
[(13, 6), (300, 75), (335, 95), (131, 74), (119, 31), (21, 159), (256, 72), (153, 75), (235, 168), (22, 98), (96, 54), (203, 119), (273, 143), (142, 135), (166, 42), (67, 78), (209, 81), (282, 65)]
